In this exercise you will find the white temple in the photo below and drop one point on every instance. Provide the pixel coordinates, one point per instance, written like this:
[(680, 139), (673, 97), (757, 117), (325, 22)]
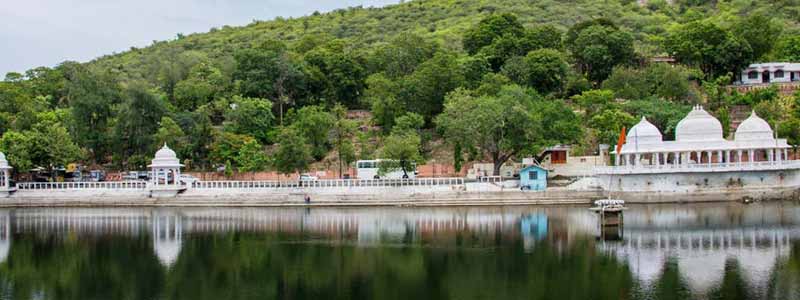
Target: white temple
[(699, 140), (700, 156), (5, 176), (166, 172)]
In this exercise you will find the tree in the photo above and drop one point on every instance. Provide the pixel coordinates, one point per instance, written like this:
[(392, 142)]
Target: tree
[(790, 130), (250, 116), (339, 73), (627, 83), (171, 134), (381, 96), (546, 70), (423, 92), (315, 124), (203, 83), (90, 97), (505, 125), (594, 101), (489, 29), (759, 31), (788, 48), (269, 72), (400, 151), (706, 45), (543, 37), (47, 145), (202, 132), (401, 56), (598, 46), (138, 120), (609, 123), (251, 157), (293, 153), (227, 145), (342, 136)]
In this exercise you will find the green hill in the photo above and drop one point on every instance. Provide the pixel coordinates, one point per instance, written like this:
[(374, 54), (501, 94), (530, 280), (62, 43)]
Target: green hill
[(282, 86)]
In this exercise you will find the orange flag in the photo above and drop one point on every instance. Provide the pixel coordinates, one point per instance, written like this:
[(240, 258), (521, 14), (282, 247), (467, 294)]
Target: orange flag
[(621, 140)]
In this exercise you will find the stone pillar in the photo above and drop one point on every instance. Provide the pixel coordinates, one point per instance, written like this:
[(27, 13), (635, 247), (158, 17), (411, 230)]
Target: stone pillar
[(6, 181), (637, 159), (719, 156), (728, 156), (739, 157), (708, 154), (751, 155), (770, 156)]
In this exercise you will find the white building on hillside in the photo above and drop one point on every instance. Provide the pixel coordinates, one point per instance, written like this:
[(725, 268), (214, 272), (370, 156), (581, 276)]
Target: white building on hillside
[(774, 72)]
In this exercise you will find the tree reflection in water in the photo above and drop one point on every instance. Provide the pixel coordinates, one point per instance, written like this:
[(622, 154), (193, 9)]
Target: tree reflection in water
[(716, 251)]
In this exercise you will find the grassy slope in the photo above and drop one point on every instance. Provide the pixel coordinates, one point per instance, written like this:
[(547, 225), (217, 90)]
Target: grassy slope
[(443, 20)]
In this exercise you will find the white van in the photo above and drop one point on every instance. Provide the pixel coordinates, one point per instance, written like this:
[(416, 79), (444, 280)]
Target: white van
[(368, 169)]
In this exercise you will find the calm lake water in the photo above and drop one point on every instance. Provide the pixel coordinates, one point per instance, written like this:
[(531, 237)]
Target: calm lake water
[(709, 251)]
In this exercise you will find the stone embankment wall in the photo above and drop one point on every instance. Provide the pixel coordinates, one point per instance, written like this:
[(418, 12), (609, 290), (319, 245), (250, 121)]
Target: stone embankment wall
[(478, 193)]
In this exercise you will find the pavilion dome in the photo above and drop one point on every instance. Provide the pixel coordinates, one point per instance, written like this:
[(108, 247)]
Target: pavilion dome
[(3, 161), (753, 128), (165, 157), (644, 132), (698, 125)]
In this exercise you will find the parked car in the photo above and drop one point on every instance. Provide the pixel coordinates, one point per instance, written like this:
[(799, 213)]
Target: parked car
[(188, 179), (308, 177)]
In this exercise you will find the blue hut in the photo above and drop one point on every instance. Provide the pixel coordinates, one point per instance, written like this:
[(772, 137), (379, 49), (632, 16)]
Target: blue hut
[(533, 178)]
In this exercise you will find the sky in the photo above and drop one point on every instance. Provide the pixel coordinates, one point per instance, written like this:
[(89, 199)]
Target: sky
[(37, 33)]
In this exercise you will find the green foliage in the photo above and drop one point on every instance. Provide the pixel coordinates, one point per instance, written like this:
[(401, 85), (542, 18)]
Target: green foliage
[(251, 157), (402, 55), (400, 151), (203, 83), (759, 31), (663, 114), (709, 47), (513, 122), (227, 147), (423, 91), (790, 130), (293, 153), (137, 121), (338, 72), (90, 97), (314, 124), (594, 101), (544, 70), (341, 137), (609, 123), (598, 46), (250, 116), (47, 145), (788, 48), (171, 134), (659, 79)]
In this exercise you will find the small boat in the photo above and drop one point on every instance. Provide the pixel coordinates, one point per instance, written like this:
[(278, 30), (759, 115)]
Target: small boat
[(609, 205)]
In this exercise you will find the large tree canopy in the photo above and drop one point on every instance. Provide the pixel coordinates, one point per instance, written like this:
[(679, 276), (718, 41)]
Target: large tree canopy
[(514, 122), (708, 46), (598, 46)]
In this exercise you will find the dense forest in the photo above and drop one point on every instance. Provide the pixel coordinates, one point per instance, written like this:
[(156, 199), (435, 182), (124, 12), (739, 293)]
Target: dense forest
[(477, 80)]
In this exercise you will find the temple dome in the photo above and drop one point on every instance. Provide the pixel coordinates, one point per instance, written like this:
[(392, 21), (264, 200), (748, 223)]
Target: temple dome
[(698, 125), (754, 128), (165, 157), (3, 161), (644, 132)]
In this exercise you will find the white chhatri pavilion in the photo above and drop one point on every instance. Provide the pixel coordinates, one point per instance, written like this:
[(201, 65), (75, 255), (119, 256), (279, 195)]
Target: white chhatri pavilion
[(5, 175), (699, 143), (166, 170)]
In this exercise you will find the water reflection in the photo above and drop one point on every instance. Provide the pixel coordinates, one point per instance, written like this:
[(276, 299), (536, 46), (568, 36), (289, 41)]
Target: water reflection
[(719, 251)]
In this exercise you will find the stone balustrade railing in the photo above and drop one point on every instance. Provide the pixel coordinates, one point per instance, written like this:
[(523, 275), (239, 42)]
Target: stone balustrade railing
[(328, 183), (701, 167), (110, 185)]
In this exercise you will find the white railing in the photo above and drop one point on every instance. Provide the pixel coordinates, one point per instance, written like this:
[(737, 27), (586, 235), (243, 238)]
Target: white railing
[(326, 183), (107, 185), (702, 167)]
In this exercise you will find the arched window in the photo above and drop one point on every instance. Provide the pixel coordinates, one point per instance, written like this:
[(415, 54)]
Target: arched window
[(778, 74), (752, 75)]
